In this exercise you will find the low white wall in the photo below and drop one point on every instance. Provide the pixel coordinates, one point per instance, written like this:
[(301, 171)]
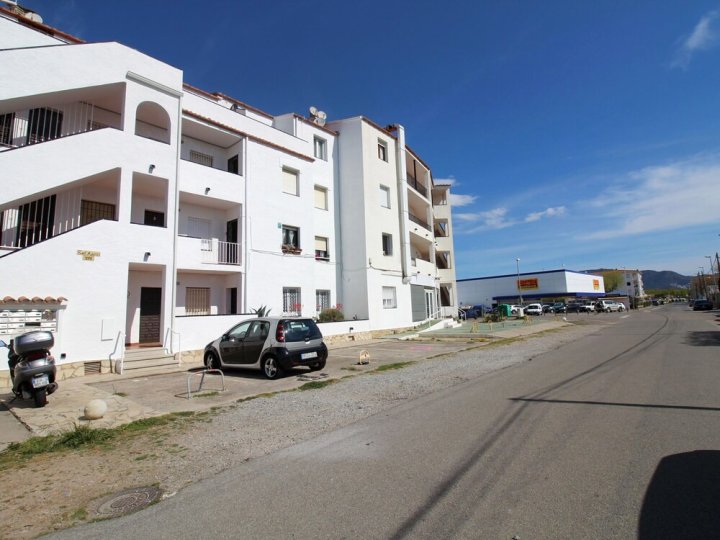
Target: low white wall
[(196, 332), (343, 327)]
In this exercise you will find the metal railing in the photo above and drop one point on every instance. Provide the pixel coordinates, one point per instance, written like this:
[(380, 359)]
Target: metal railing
[(419, 221), (22, 128), (417, 186), (168, 343), (215, 251), (120, 362)]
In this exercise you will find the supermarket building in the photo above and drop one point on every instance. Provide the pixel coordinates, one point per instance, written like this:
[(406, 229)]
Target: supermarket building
[(531, 286)]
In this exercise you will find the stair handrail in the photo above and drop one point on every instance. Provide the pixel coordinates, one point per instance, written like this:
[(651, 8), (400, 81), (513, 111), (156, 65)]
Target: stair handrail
[(120, 362), (169, 339)]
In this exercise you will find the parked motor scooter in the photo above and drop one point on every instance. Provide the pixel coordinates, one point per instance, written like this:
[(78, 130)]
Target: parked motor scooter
[(32, 367)]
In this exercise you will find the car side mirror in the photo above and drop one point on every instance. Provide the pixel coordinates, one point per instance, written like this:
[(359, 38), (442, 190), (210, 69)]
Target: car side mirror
[(2, 344), (224, 337)]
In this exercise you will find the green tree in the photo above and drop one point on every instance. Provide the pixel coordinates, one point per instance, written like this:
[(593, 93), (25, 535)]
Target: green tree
[(613, 279)]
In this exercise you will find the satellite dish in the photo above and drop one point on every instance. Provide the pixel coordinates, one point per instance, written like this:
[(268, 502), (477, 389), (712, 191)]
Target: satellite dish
[(321, 115), (313, 111)]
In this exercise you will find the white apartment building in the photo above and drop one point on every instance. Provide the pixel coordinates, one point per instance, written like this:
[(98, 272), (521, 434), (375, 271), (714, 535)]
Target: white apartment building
[(139, 209)]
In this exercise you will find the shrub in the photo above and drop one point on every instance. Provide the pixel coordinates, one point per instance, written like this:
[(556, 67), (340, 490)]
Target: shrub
[(331, 315)]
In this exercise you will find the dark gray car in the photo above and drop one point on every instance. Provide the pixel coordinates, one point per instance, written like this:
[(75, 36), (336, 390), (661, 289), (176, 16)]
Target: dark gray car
[(271, 344)]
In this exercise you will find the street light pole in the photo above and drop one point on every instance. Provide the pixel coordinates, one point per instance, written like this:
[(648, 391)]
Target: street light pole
[(517, 262)]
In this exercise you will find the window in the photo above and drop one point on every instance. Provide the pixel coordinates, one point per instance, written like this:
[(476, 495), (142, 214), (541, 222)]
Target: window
[(197, 301), (291, 300), (389, 298), (91, 211), (154, 219), (199, 228), (233, 164), (290, 182), (385, 196), (387, 244), (382, 150), (322, 300), (320, 148), (321, 201), (200, 158), (321, 249), (290, 239)]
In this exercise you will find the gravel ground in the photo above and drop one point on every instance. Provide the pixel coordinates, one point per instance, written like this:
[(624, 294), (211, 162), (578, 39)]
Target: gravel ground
[(232, 435), (261, 426)]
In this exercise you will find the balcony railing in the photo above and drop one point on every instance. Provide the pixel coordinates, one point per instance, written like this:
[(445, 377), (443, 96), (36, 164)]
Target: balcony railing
[(417, 186), (419, 221), (48, 123), (215, 251)]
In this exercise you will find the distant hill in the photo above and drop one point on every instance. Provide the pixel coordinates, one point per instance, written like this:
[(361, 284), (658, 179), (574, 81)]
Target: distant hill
[(665, 279)]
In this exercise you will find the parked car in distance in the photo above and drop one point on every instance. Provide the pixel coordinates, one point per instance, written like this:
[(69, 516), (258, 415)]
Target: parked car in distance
[(702, 305), (558, 307), (473, 312), (608, 306), (271, 344), (587, 308), (533, 309), (573, 307)]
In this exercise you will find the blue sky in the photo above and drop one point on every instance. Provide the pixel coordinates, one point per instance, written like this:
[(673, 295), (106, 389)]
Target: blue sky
[(577, 134)]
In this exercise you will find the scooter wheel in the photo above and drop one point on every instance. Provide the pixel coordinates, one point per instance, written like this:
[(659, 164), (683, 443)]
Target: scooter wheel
[(40, 397)]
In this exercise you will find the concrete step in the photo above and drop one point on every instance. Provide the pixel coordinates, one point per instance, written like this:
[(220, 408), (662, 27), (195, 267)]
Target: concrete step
[(148, 359)]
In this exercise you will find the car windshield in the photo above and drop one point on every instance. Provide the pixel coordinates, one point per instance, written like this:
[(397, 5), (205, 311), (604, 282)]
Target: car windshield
[(300, 330)]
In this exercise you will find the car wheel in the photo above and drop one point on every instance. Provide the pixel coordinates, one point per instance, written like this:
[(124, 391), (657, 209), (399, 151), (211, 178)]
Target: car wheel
[(317, 366), (270, 368), (211, 360)]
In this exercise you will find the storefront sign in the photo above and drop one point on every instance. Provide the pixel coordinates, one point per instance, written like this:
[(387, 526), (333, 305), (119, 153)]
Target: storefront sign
[(596, 284), (528, 284)]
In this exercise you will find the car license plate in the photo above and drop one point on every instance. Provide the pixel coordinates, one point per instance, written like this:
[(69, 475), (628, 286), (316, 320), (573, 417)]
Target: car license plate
[(42, 380), (308, 355)]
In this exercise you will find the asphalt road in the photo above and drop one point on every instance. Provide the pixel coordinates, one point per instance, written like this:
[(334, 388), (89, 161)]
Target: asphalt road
[(613, 436)]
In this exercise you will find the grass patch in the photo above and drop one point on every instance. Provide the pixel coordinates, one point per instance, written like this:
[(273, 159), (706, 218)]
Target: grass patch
[(210, 393), (396, 365), (79, 515), (316, 385), (85, 437), (250, 398)]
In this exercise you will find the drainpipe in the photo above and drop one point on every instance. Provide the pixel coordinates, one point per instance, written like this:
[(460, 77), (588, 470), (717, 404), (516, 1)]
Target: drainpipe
[(246, 224), (403, 202), (173, 288)]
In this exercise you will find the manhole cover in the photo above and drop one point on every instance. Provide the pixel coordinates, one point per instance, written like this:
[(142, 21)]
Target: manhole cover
[(127, 501)]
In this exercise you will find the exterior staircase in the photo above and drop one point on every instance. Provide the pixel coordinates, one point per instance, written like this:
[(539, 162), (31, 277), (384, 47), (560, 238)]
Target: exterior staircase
[(148, 361)]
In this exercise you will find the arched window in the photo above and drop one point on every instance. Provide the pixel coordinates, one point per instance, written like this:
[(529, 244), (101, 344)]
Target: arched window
[(152, 122)]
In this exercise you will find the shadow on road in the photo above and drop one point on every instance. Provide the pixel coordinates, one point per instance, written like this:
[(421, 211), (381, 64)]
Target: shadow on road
[(683, 497), (703, 339)]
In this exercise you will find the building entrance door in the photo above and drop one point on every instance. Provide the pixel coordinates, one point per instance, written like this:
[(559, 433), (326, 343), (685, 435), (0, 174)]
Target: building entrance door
[(150, 307)]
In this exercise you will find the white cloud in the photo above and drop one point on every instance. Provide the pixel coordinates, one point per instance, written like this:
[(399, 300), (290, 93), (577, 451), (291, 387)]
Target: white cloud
[(548, 212), (492, 219), (456, 199), (663, 198), (703, 37)]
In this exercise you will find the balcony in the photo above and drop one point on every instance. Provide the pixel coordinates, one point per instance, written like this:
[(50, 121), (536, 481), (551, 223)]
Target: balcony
[(197, 253), (417, 186), (419, 221), (215, 251)]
